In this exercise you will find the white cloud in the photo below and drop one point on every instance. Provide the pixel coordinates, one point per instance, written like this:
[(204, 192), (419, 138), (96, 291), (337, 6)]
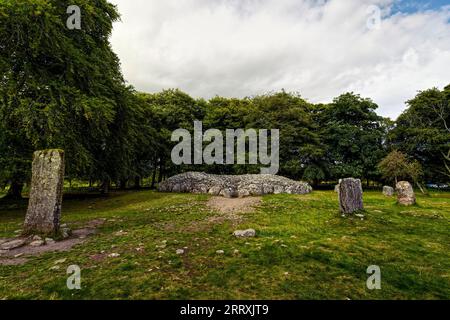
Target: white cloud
[(315, 47)]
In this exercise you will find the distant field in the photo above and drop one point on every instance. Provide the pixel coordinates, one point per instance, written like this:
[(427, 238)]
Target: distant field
[(304, 249)]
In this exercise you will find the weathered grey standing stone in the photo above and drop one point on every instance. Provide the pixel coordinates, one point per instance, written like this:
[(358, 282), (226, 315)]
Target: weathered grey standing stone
[(405, 193), (388, 191), (44, 206), (350, 196)]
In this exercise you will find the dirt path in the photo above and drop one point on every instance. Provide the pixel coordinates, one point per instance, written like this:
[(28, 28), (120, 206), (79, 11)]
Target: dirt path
[(235, 205), (19, 255)]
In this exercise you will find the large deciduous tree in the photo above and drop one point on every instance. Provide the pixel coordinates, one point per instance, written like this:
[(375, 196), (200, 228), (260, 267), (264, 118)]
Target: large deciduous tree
[(61, 88), (354, 136), (422, 132)]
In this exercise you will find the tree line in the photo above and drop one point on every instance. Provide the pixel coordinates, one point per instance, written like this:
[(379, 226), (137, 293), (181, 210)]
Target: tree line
[(62, 88)]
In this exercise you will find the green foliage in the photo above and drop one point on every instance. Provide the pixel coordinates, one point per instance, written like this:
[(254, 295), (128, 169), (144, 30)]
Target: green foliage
[(353, 134), (61, 88), (396, 166), (423, 132)]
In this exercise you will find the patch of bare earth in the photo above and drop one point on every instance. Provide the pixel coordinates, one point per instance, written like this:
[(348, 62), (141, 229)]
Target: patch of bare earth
[(19, 255), (232, 209), (234, 205), (227, 210)]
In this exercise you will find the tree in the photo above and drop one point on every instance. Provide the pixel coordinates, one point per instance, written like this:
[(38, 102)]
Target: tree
[(60, 88), (396, 166), (300, 144), (163, 113), (354, 135), (416, 173), (422, 132)]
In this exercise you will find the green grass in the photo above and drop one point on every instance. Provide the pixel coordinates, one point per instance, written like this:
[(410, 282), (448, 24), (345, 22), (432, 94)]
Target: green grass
[(304, 250)]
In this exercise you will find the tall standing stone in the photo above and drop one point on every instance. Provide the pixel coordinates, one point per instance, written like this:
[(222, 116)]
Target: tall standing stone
[(405, 193), (44, 206), (350, 196)]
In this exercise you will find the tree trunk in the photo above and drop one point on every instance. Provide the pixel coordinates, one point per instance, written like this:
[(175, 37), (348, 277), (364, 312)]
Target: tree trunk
[(15, 191), (137, 182), (105, 186), (421, 188), (161, 168), (123, 184), (154, 177)]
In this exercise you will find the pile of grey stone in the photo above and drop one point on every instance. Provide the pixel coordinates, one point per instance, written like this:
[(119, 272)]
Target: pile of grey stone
[(233, 186)]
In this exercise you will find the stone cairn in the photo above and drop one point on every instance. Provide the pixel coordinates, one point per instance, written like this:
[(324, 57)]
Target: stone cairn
[(44, 207), (405, 194), (233, 186), (388, 191), (350, 196)]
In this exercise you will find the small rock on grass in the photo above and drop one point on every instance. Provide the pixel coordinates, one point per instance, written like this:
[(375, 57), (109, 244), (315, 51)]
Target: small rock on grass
[(114, 255), (37, 243), (65, 233), (13, 244), (249, 233), (220, 252), (60, 261), (180, 251)]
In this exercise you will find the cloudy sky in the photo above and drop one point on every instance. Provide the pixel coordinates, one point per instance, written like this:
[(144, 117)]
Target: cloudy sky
[(318, 48)]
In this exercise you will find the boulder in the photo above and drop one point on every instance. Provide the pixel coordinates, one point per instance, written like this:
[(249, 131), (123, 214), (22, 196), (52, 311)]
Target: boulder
[(233, 186), (350, 196), (405, 193), (388, 191)]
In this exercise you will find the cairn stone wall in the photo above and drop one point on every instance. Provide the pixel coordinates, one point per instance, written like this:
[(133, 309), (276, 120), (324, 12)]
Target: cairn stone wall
[(233, 186)]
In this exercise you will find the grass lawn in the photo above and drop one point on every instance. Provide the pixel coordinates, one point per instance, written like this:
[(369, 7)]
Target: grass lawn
[(304, 250)]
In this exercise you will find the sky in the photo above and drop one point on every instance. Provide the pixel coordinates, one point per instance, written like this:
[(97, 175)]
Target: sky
[(386, 50)]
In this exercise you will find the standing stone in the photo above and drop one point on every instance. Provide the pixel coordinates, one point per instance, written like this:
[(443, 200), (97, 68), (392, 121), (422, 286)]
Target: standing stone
[(336, 188), (405, 194), (388, 191), (44, 207), (350, 196)]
